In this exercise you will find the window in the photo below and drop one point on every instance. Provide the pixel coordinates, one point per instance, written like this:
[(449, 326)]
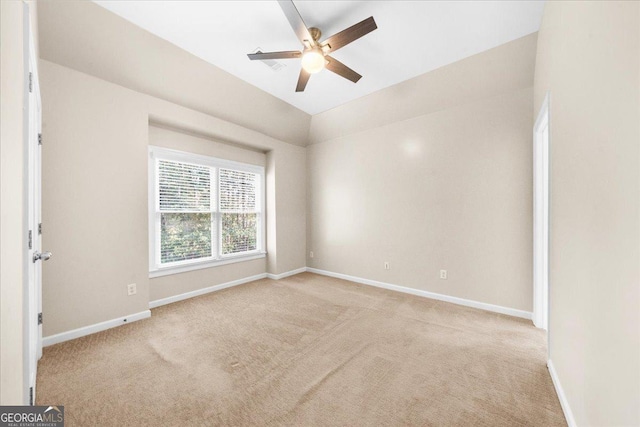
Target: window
[(203, 211)]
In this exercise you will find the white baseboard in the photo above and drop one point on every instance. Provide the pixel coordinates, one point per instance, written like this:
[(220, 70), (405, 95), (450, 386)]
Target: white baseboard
[(92, 329), (564, 403), (455, 300), (198, 292), (286, 274)]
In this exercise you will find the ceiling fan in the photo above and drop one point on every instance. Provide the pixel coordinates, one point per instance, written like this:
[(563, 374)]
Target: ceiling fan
[(315, 55)]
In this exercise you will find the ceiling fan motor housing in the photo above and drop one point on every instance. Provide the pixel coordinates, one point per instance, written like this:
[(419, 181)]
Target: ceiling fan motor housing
[(315, 33)]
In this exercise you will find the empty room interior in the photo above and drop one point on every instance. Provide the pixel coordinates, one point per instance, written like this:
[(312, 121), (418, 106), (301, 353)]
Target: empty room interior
[(320, 213)]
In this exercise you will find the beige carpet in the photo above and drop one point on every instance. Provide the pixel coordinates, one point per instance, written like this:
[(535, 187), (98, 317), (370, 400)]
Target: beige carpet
[(305, 351)]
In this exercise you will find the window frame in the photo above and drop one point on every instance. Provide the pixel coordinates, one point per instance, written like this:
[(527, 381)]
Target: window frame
[(156, 268)]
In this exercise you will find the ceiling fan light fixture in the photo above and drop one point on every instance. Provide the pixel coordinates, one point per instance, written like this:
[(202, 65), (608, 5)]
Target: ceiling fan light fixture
[(313, 60)]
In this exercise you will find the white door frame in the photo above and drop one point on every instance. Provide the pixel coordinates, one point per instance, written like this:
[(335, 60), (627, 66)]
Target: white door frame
[(33, 269), (541, 193)]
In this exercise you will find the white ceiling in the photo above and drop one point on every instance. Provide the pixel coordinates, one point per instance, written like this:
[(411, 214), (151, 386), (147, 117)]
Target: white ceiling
[(412, 38)]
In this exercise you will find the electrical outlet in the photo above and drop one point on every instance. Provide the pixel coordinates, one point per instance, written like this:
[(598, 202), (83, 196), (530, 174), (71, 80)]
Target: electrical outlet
[(131, 289), (443, 274), (386, 265), (311, 254)]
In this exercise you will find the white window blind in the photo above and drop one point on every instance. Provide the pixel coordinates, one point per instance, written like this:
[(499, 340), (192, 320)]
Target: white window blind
[(184, 207), (238, 211), (204, 210), (184, 187)]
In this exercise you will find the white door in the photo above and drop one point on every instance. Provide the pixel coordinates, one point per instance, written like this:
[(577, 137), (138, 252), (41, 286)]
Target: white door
[(541, 218), (35, 256)]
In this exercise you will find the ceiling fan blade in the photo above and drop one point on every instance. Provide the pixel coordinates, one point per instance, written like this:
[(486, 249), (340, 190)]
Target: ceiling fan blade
[(342, 70), (298, 25), (289, 54), (352, 33), (302, 80)]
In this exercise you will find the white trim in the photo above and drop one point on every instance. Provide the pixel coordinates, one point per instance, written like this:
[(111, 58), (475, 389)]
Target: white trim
[(455, 300), (198, 292), (287, 273), (541, 199), (166, 271), (27, 214), (92, 329), (151, 197), (564, 403)]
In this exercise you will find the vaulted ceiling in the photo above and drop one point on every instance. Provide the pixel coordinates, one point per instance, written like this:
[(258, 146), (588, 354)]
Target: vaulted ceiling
[(412, 38)]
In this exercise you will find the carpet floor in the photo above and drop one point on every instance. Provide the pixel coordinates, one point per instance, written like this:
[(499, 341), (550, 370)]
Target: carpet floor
[(307, 350)]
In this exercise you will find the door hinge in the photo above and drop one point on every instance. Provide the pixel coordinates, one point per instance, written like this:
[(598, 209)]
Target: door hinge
[(39, 318), (39, 139), (30, 81), (31, 396), (40, 228), (30, 239)]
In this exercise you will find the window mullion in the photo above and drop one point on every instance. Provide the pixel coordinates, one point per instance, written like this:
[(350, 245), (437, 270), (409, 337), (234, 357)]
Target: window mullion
[(214, 212), (158, 243), (219, 215)]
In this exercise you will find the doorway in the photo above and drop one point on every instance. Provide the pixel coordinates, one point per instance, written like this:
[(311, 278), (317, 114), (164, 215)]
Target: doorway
[(541, 137)]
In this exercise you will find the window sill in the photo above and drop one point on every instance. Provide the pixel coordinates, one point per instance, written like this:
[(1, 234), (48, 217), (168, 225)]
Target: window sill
[(166, 271)]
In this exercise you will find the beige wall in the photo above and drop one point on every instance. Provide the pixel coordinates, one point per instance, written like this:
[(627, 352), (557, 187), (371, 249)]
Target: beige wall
[(270, 178), (86, 37), (503, 69), (94, 200), (291, 219), (95, 197), (450, 189), (176, 139), (588, 58)]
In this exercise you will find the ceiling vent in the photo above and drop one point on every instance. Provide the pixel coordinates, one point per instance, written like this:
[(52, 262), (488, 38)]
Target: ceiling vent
[(274, 65)]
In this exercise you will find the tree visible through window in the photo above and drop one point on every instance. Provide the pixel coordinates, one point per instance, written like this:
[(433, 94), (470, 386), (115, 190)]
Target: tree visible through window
[(205, 212), (238, 211), (184, 194)]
